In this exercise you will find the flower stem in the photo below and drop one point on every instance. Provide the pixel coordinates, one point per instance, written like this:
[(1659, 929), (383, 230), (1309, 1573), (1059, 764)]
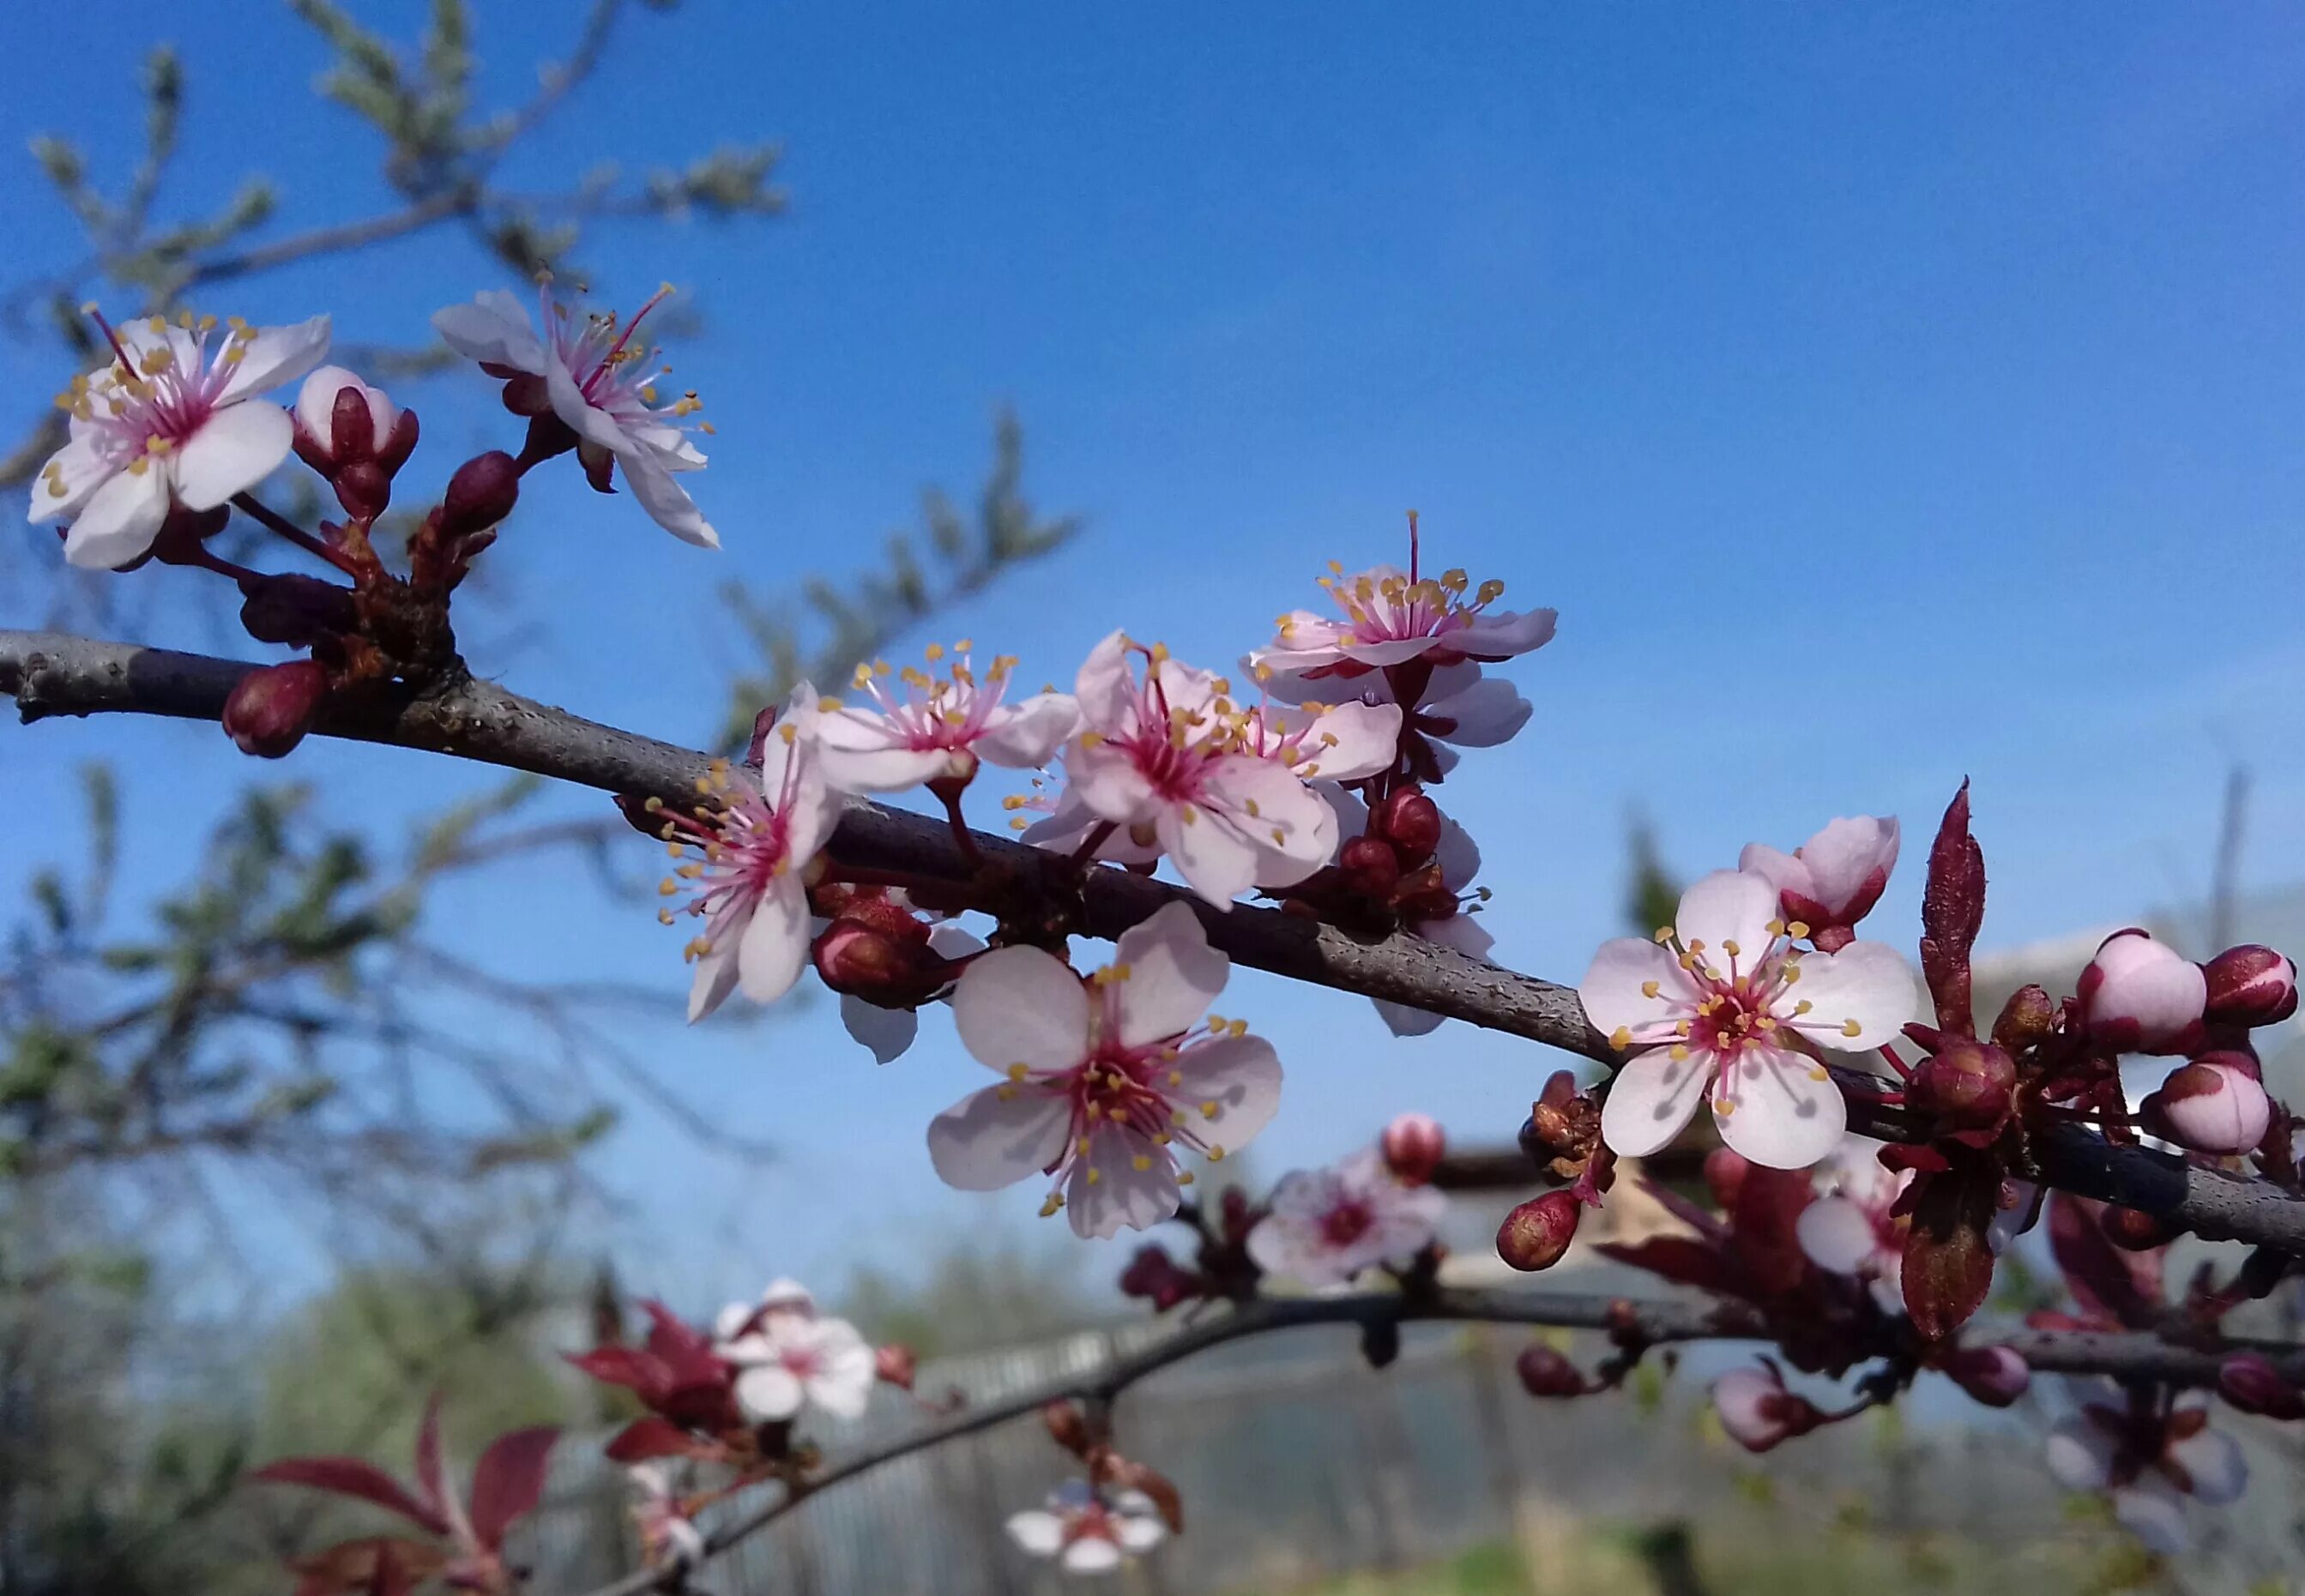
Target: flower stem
[(249, 504)]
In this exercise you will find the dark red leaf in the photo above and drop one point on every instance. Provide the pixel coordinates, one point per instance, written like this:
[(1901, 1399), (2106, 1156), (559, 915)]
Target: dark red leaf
[(1953, 908), (1679, 1258), (623, 1366), (1948, 1261), (429, 1478), (2108, 1282), (644, 1439), (509, 1480), (352, 1477)]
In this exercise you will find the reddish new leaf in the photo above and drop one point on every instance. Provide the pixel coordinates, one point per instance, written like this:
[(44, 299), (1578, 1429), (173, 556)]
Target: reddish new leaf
[(644, 1439), (509, 1480), (625, 1366), (2108, 1282), (1948, 1261), (1678, 1258), (1953, 908), (352, 1477)]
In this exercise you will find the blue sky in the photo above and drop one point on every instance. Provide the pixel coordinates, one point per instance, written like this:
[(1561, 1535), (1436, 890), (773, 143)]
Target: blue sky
[(1881, 397)]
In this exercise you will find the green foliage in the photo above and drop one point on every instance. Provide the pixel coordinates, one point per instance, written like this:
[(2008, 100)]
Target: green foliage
[(1652, 892)]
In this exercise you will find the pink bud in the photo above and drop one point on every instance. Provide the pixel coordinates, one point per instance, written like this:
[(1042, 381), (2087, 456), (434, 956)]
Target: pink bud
[(2251, 1383), (1544, 1372), (2140, 996), (1967, 1085), (2209, 1107), (1758, 1410), (274, 706), (2250, 985), (1535, 1235), (334, 429), (1413, 1145), (1832, 880), (866, 961), (896, 1365), (1995, 1376)]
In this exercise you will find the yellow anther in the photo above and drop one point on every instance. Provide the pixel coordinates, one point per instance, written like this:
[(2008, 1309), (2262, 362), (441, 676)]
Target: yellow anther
[(1663, 933), (1731, 949), (1184, 1177), (1018, 1072), (1797, 929), (668, 887), (1790, 972), (1620, 1038), (1819, 1073), (1048, 1208), (1081, 1147), (1216, 1154), (1723, 1106), (1141, 1163), (1679, 1052), (1007, 1094), (1851, 1028), (1094, 1175), (664, 917), (1238, 1028), (1650, 988), (1803, 1006)]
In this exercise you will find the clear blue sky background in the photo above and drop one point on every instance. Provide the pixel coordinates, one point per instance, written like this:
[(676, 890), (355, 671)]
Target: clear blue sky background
[(1881, 397)]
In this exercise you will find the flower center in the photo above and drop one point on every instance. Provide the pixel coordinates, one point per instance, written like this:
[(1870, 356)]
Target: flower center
[(731, 852), (1346, 1222)]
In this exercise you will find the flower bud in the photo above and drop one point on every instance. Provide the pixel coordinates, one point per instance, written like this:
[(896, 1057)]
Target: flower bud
[(1544, 1372), (1535, 1235), (1410, 821), (295, 609), (2140, 996), (1995, 1376), (1832, 880), (1151, 1274), (1725, 1170), (2250, 985), (2028, 1016), (1758, 1410), (2251, 1383), (862, 959), (1369, 865), (2210, 1106), (1067, 1426), (1413, 1144), (896, 1365), (480, 494), (1967, 1084), (274, 706), (340, 418)]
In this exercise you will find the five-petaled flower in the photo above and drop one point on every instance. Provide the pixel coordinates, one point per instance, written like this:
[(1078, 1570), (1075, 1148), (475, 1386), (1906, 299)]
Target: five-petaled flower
[(167, 422), (2148, 1453), (1327, 1225), (756, 834), (1851, 1229), (1109, 1079), (1087, 1530), (1393, 617), (788, 1356), (938, 728), (601, 385), (1724, 999)]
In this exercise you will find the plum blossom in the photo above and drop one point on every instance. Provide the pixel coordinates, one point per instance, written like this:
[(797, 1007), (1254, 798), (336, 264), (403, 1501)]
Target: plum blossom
[(2212, 1104), (667, 1535), (601, 385), (2148, 1454), (755, 848), (1832, 880), (1851, 1229), (1456, 704), (785, 1298), (1109, 1079), (794, 1357), (1392, 617), (1723, 999), (314, 411), (1326, 1226), (1173, 766), (1086, 1530), (1757, 1412), (167, 422), (939, 727)]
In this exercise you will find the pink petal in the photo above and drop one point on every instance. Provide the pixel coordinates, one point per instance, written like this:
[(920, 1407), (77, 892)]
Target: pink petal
[(1652, 1098), (1785, 1117), (1026, 735), (235, 448), (1174, 975), (494, 328), (1837, 1234), (1614, 989), (1727, 907), (1240, 1076), (985, 1141), (1022, 1005), (774, 949), (276, 355), (1868, 983), (120, 521)]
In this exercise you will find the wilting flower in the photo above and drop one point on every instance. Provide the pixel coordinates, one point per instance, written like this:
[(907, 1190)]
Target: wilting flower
[(601, 385), (755, 847), (164, 421), (2148, 1454), (1850, 1230), (1107, 1079), (2140, 996), (667, 1535), (1832, 880), (1724, 999), (1166, 760), (791, 1360), (1392, 617), (939, 727), (1327, 1225), (1757, 1412), (1086, 1530)]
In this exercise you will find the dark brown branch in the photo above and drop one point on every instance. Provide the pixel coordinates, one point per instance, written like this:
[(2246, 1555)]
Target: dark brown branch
[(54, 674)]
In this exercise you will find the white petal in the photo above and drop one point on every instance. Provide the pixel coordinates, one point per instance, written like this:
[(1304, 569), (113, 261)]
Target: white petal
[(1138, 1531), (493, 328), (1844, 857), (887, 1033), (1121, 1194), (2213, 1462), (1105, 780), (1022, 1005), (120, 521), (1367, 741), (1784, 871), (1613, 990), (843, 1384), (1485, 714), (1105, 688), (984, 1142), (1209, 853), (1174, 975), (1459, 856), (716, 978), (663, 497), (774, 949), (1506, 633), (1866, 982), (235, 448), (1275, 811), (1785, 1117), (1399, 651), (1091, 1554), (882, 769), (1042, 1535), (767, 1392), (1241, 1075), (1026, 735), (2152, 1511), (1404, 1021), (83, 466), (1727, 907), (1651, 1098), (277, 354), (1837, 1234)]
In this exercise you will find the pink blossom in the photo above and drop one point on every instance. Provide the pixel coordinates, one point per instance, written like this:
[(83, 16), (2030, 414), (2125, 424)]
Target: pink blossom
[(314, 411), (1392, 617), (1757, 1412), (1455, 704), (938, 728), (1849, 1230), (1109, 1079), (1089, 1531), (756, 849), (2140, 996), (1326, 1226), (1413, 1145), (602, 386), (2148, 1458), (165, 422), (794, 1360), (1832, 880), (1725, 1000), (2215, 1104), (785, 1298)]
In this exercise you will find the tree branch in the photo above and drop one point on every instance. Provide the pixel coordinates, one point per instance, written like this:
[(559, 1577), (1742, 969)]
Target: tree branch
[(54, 674)]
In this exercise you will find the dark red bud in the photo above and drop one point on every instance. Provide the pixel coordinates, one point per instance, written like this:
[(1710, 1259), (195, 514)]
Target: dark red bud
[(273, 707), (896, 1365), (1410, 821), (480, 494), (864, 961), (1413, 1145), (2251, 1383), (1151, 1274), (1544, 1372), (393, 453), (2250, 985), (1967, 1085), (352, 427), (364, 488), (2029, 1017), (1369, 865), (295, 609), (184, 531), (1535, 1235), (525, 393), (1995, 1376)]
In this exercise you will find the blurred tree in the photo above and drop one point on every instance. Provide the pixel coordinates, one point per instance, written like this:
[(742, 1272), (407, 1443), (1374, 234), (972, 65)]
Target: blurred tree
[(978, 1292), (1652, 892)]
